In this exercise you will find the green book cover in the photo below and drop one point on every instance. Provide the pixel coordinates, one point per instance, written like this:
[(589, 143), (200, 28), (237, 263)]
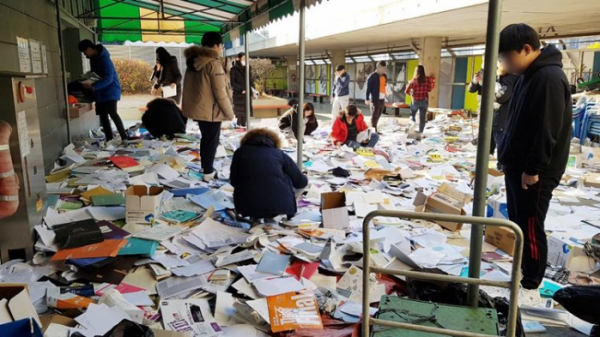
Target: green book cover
[(137, 246), (115, 199)]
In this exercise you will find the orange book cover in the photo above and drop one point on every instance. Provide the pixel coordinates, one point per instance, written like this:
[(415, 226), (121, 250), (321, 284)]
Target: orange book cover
[(294, 310), (107, 248), (69, 301)]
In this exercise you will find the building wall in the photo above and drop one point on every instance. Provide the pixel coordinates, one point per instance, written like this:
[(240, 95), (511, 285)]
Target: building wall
[(36, 19)]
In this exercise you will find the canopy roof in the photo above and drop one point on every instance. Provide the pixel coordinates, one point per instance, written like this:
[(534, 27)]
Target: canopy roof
[(184, 20)]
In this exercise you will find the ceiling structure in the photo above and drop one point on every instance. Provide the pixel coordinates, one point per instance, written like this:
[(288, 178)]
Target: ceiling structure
[(458, 27)]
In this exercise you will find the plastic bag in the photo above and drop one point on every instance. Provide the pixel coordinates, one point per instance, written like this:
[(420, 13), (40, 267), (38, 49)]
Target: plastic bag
[(581, 301)]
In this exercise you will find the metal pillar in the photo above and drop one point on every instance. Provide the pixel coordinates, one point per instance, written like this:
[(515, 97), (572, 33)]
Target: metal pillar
[(61, 54), (483, 145), (247, 80), (301, 44)]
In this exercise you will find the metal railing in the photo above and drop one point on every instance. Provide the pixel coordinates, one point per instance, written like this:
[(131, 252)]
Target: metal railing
[(513, 284)]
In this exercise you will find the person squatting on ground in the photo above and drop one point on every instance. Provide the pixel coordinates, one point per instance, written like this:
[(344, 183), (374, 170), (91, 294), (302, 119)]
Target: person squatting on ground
[(288, 123), (163, 118), (347, 127), (535, 147), (207, 96), (107, 90), (419, 88), (260, 166)]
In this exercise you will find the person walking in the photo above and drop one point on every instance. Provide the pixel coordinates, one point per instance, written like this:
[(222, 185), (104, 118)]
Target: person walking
[(207, 96), (259, 165), (341, 91), (419, 88), (166, 73), (288, 123), (376, 93), (107, 90), (238, 84), (535, 147)]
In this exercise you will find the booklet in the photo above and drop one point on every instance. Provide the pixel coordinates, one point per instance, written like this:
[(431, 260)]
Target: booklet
[(191, 315), (294, 310), (180, 216)]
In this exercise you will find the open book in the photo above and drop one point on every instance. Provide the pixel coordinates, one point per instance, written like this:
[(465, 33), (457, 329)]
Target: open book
[(364, 136)]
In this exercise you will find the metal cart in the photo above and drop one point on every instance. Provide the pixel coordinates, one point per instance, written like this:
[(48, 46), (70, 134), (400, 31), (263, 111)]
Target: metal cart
[(513, 285)]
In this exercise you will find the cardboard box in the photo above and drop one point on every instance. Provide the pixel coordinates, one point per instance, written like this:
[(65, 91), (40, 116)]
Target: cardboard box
[(378, 174), (501, 237), (142, 203), (592, 180), (16, 304), (498, 208), (57, 319), (79, 109), (563, 252), (335, 213), (447, 200)]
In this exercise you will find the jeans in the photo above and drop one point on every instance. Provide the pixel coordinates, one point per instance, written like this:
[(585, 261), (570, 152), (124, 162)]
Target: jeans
[(528, 209), (109, 108), (211, 131), (377, 109), (355, 145), (339, 104), (420, 106)]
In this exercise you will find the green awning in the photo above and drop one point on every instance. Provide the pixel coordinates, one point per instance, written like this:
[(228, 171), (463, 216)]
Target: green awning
[(184, 20), (163, 20)]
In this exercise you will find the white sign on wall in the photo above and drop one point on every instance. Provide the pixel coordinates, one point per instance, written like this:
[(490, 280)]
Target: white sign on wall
[(23, 131), (44, 59), (36, 56), (24, 58)]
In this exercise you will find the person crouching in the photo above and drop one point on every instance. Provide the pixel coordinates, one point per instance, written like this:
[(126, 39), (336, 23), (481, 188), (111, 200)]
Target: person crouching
[(163, 118), (348, 126), (288, 123), (264, 177)]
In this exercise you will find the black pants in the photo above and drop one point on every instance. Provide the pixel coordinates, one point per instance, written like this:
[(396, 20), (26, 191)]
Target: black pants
[(377, 109), (109, 108), (528, 209), (241, 120), (211, 131)]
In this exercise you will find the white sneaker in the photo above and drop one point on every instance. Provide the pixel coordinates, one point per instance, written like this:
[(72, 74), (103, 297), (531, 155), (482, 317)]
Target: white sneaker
[(530, 297), (208, 177)]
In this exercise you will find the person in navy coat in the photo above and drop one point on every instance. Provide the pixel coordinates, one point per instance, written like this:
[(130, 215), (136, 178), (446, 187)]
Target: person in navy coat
[(265, 179), (107, 90)]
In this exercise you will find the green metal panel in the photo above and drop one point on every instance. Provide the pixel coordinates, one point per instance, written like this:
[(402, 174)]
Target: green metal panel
[(460, 76), (596, 67), (392, 308)]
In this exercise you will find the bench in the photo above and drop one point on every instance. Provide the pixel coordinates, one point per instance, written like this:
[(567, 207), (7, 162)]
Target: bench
[(291, 93), (397, 107), (320, 96), (271, 107)]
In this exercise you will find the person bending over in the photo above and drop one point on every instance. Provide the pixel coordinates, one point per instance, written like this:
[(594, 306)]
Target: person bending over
[(348, 126), (288, 123), (163, 118)]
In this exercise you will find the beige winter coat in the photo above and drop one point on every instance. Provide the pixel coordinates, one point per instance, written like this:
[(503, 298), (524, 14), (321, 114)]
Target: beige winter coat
[(206, 89)]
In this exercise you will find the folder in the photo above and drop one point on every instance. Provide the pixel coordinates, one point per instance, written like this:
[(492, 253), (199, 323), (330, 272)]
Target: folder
[(108, 248)]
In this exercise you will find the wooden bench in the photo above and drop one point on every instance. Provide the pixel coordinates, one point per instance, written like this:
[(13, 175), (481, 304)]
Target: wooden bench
[(320, 96), (291, 93), (271, 107), (397, 107)]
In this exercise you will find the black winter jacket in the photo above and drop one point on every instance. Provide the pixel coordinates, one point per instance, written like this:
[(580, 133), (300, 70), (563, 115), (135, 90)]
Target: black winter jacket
[(264, 177), (290, 120), (504, 90), (163, 117), (538, 134), (169, 74), (238, 85)]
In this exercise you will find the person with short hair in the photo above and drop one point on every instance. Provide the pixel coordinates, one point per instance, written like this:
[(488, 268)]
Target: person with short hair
[(238, 84), (536, 143), (207, 96), (107, 90), (288, 123), (419, 88), (376, 93), (347, 127), (259, 165), (341, 91)]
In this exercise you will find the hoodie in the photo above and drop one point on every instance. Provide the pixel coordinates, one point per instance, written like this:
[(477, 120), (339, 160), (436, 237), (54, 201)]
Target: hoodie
[(109, 87), (538, 133), (206, 90)]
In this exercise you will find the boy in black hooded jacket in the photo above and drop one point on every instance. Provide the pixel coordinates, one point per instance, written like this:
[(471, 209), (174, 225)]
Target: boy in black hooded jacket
[(535, 147)]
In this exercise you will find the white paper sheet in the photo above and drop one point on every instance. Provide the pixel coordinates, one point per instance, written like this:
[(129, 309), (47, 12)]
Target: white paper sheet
[(277, 286)]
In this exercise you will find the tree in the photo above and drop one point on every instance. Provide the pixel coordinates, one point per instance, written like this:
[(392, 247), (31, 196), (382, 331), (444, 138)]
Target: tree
[(261, 70)]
